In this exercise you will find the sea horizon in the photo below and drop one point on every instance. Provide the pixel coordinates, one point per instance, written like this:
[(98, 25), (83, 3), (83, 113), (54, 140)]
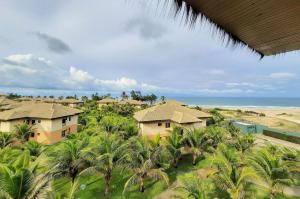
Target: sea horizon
[(242, 102), (204, 101)]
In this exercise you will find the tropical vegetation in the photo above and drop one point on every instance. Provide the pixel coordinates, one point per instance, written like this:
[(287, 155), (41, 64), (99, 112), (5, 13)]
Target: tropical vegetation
[(108, 159)]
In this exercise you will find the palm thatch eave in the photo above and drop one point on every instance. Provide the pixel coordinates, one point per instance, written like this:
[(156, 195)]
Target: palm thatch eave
[(266, 27), (192, 16)]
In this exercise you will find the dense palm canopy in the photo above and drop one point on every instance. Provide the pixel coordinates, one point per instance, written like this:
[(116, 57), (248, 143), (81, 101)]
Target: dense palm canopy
[(108, 157)]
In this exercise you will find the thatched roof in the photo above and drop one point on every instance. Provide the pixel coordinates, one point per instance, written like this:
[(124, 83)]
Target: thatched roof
[(174, 102), (69, 101), (172, 112), (5, 101), (38, 110), (267, 27), (131, 102), (107, 100)]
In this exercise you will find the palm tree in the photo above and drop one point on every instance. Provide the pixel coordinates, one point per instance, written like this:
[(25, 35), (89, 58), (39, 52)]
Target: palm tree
[(174, 145), (273, 169), (109, 153), (21, 180), (142, 165), (196, 142), (23, 132), (145, 169), (243, 142), (6, 139), (35, 149), (70, 156), (231, 175), (124, 95), (215, 135), (192, 186), (8, 155)]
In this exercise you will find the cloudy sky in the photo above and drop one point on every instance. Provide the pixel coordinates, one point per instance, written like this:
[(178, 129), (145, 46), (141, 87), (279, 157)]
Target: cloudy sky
[(110, 46)]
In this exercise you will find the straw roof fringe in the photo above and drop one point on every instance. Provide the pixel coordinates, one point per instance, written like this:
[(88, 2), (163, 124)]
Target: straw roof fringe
[(191, 16)]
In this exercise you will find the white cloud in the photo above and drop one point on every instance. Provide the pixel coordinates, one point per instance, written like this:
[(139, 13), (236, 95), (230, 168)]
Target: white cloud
[(148, 87), (79, 76), (282, 75), (122, 83), (245, 85), (26, 70), (23, 59)]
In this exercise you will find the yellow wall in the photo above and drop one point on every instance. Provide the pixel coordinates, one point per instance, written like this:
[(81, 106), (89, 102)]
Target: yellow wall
[(47, 131), (152, 128)]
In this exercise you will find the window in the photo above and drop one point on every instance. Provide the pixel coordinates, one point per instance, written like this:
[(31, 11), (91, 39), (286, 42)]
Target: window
[(32, 135), (159, 124), (69, 118), (63, 134), (168, 125), (39, 121), (32, 121), (64, 120)]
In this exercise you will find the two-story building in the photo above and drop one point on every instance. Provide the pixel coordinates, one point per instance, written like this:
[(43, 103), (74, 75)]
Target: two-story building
[(51, 122), (160, 118)]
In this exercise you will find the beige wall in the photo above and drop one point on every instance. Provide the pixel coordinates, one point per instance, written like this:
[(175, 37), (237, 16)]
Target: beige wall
[(152, 128), (8, 126), (47, 131)]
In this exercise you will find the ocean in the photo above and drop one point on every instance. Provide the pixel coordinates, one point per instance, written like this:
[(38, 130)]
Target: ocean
[(266, 102)]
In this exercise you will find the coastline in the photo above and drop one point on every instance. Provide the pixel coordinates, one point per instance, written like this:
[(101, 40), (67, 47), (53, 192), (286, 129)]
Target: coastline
[(244, 106), (277, 117)]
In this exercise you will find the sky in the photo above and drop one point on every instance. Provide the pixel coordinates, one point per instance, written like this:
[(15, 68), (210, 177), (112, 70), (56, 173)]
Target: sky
[(111, 46)]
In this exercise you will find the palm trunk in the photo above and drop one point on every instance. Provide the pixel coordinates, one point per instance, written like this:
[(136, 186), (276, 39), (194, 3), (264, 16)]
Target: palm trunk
[(175, 162), (272, 195), (107, 183), (194, 159), (142, 186)]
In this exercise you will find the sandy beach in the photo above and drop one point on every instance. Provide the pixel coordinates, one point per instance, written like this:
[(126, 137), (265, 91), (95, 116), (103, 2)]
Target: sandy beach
[(284, 118)]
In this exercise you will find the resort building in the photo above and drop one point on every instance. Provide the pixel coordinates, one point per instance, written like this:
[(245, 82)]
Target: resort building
[(107, 101), (159, 119), (135, 103), (51, 122), (73, 103)]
